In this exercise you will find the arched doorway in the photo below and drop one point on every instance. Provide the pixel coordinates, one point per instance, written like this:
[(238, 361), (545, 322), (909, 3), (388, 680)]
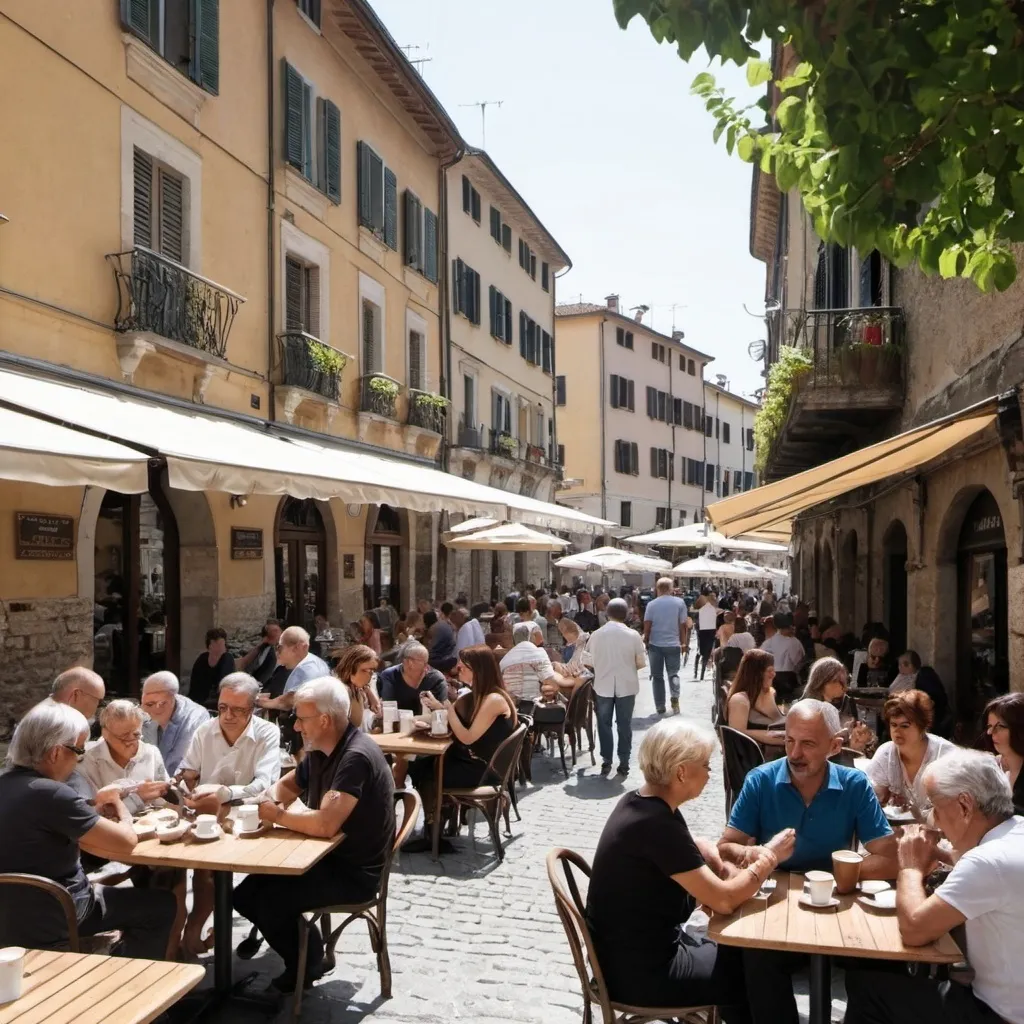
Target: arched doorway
[(300, 562), (826, 568), (847, 610), (982, 662), (894, 585), (386, 540)]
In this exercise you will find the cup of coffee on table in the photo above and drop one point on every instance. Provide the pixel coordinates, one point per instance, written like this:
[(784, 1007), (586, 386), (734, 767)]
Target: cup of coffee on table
[(249, 817), (206, 825), (12, 969), (819, 887), (405, 722), (846, 869)]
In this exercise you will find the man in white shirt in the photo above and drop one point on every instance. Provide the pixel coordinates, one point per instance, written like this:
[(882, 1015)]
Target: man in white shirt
[(789, 655), (293, 653), (468, 632), (231, 757), (707, 623), (973, 805), (526, 669), (616, 654)]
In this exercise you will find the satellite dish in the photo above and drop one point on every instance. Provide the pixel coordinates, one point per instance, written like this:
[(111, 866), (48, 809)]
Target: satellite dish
[(756, 350)]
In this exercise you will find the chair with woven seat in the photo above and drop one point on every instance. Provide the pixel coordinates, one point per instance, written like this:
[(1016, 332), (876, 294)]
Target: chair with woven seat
[(101, 942), (373, 912), (493, 800), (571, 908)]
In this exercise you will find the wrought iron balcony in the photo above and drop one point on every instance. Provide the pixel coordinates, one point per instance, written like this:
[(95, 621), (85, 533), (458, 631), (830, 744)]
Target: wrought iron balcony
[(427, 410), (378, 394), (504, 444), (311, 364), (158, 296), (470, 436)]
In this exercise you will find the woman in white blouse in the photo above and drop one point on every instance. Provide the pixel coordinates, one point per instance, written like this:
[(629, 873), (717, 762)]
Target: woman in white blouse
[(895, 770), (576, 639), (121, 758)]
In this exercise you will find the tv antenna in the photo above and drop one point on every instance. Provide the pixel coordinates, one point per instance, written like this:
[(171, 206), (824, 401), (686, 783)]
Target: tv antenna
[(416, 62), (483, 105)]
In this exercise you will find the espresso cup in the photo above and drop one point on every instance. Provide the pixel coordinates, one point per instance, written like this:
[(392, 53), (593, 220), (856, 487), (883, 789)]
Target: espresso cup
[(819, 887), (249, 817), (12, 969), (846, 869), (206, 825)]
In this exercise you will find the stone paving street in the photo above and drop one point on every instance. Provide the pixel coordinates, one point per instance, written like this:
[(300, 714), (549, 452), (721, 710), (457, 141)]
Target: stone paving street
[(477, 941)]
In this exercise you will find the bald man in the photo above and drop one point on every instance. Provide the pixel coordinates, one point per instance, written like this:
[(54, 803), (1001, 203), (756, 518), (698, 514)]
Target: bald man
[(81, 689), (294, 654)]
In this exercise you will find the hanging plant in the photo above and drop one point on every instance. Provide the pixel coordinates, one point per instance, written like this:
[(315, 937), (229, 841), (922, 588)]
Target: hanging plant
[(384, 386), (327, 360), (508, 444), (431, 399), (783, 379)]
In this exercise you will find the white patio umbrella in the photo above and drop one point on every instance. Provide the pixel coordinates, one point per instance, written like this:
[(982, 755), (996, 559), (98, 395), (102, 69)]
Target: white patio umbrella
[(763, 572), (610, 559), (710, 568), (700, 535), (507, 537), (476, 523)]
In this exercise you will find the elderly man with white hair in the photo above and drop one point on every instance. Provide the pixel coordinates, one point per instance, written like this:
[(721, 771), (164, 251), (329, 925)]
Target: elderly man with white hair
[(344, 783), (526, 669), (293, 653), (173, 718), (233, 756), (44, 826), (972, 804), (826, 804)]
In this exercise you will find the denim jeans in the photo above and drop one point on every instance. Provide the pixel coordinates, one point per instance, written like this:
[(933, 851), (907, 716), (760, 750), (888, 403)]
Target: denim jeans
[(664, 660), (622, 709)]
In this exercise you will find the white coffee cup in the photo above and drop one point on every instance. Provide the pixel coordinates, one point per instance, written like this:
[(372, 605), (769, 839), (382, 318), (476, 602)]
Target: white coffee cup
[(819, 887), (12, 969), (439, 723), (249, 817), (389, 715), (405, 722), (206, 825)]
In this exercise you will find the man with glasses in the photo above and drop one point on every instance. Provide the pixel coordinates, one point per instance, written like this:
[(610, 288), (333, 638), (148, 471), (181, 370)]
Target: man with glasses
[(230, 757), (294, 654), (173, 718), (82, 689)]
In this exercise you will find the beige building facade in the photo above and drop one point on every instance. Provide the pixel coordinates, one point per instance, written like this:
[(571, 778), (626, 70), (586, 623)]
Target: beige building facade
[(632, 426), (728, 440)]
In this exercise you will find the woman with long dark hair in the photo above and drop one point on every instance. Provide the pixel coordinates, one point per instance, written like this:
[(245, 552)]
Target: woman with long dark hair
[(1004, 736), (750, 703), (355, 670)]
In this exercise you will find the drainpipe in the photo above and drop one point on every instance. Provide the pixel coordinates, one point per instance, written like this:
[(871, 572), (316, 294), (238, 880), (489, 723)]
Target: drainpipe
[(554, 373), (271, 212), (445, 332), (603, 416)]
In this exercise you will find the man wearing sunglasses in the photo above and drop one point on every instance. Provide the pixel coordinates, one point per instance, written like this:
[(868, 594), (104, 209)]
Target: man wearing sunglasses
[(82, 689)]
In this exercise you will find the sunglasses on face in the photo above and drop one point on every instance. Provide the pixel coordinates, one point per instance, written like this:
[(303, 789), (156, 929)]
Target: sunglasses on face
[(77, 751)]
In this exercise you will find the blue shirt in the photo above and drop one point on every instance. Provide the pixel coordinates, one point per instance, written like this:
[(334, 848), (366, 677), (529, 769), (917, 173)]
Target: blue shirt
[(173, 739), (844, 807), (665, 614), (311, 667)]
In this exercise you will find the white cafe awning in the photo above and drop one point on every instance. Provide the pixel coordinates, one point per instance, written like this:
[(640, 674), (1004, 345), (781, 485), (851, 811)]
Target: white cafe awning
[(39, 452), (507, 537), (700, 535), (205, 452)]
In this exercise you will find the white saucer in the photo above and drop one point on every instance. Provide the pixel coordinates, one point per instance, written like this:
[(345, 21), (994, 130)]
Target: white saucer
[(805, 900), (870, 886), (872, 902), (248, 833), (207, 839)]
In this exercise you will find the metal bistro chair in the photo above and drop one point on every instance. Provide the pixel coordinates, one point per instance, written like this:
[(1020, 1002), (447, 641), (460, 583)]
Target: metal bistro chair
[(739, 755), (373, 912), (101, 942), (492, 800), (571, 912), (575, 720)]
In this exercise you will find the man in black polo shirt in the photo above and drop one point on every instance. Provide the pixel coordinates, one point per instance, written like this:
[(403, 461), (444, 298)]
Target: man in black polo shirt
[(346, 782), (407, 681)]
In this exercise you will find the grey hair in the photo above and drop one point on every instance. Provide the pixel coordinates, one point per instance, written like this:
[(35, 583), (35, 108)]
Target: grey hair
[(72, 677), (162, 681), (329, 695), (240, 682), (978, 775), (120, 711), (664, 585), (617, 609), (810, 706), (670, 743), (522, 631), (412, 649), (555, 604), (294, 636), (46, 726), (823, 672)]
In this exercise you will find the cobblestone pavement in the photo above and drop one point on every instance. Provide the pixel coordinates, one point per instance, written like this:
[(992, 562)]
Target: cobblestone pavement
[(479, 941)]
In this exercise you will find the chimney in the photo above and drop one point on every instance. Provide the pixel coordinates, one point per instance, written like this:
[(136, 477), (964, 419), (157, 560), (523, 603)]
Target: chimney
[(638, 316), (678, 335), (613, 302)]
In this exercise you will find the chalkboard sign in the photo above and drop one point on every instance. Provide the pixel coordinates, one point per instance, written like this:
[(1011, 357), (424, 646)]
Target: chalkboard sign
[(44, 538), (246, 543)]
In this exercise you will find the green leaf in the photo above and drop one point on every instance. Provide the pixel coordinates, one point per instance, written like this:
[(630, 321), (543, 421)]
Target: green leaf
[(788, 113), (745, 148), (758, 72), (949, 262)]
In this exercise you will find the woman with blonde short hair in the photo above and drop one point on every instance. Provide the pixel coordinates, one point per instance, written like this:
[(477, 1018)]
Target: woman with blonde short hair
[(649, 873)]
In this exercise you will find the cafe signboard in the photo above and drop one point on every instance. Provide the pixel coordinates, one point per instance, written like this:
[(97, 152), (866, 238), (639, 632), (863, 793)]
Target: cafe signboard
[(246, 543), (44, 538)]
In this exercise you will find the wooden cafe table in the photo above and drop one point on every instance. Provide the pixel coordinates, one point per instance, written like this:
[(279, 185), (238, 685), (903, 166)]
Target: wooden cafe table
[(421, 745), (849, 930), (278, 851), (77, 988)]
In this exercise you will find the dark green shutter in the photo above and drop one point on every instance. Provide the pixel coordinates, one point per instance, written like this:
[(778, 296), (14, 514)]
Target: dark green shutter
[(492, 301), (206, 63), (508, 321), (140, 18), (430, 245), (143, 200), (363, 152), (293, 141), (629, 395), (172, 216), (522, 333), (410, 217), (332, 150), (293, 295), (390, 209), (506, 238)]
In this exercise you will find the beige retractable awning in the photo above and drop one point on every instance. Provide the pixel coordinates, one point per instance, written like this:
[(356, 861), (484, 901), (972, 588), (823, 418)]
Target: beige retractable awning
[(768, 511)]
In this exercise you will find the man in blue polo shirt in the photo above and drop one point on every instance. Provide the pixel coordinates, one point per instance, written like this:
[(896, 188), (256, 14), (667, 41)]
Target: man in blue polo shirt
[(828, 805)]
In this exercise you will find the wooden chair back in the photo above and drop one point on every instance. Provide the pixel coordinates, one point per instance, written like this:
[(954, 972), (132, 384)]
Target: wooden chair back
[(578, 707), (504, 760), (52, 890)]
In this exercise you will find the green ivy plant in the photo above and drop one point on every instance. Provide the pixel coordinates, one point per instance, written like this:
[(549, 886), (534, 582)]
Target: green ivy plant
[(327, 360), (783, 378), (431, 398), (902, 128), (384, 386)]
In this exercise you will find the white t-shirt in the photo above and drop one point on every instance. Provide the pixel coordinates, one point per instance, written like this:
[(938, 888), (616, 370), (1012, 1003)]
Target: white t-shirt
[(707, 616), (744, 641), (524, 668), (787, 651), (886, 768), (987, 887)]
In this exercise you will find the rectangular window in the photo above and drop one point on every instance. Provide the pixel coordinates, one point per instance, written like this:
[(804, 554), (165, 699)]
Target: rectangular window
[(466, 291), (547, 349), (682, 516), (725, 432), (737, 481), (545, 277), (688, 415), (725, 485), (561, 454), (378, 195), (496, 224), (417, 362), (469, 400), (302, 296), (501, 412), (413, 209), (682, 363), (750, 440), (691, 369), (533, 266), (372, 341), (311, 9), (662, 409), (716, 427), (506, 238), (159, 201), (312, 134), (627, 457), (652, 402), (677, 411), (186, 34), (708, 425), (709, 476), (625, 513), (629, 339), (560, 389), (748, 481), (620, 336), (663, 517)]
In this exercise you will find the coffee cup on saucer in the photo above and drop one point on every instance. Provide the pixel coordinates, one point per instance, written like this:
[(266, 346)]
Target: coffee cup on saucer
[(248, 817), (819, 887), (206, 826)]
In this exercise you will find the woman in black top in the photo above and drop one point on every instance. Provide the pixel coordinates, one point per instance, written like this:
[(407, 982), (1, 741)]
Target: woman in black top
[(648, 875), (1004, 736)]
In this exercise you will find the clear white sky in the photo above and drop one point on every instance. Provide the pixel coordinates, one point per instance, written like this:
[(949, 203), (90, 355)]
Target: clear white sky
[(599, 133)]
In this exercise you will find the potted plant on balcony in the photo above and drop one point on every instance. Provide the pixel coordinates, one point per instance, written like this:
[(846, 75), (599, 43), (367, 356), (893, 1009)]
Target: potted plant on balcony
[(328, 363), (430, 407), (783, 382), (507, 446), (430, 400), (383, 387), (872, 328)]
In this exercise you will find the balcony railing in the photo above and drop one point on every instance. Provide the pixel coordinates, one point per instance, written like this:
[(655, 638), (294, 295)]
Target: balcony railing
[(471, 436), (850, 348), (427, 410), (309, 363), (504, 444), (158, 296), (378, 394)]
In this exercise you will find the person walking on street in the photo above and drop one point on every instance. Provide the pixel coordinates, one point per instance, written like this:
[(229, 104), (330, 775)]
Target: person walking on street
[(666, 634), (616, 654), (707, 623)]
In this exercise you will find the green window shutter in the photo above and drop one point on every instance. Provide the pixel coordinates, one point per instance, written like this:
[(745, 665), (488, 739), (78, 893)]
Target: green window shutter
[(492, 300), (630, 396), (410, 215), (141, 18), (172, 215), (522, 333), (390, 209), (294, 144), (430, 245), (614, 391), (206, 62), (293, 294), (467, 199), (363, 154), (332, 150), (508, 322), (143, 200), (506, 238)]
